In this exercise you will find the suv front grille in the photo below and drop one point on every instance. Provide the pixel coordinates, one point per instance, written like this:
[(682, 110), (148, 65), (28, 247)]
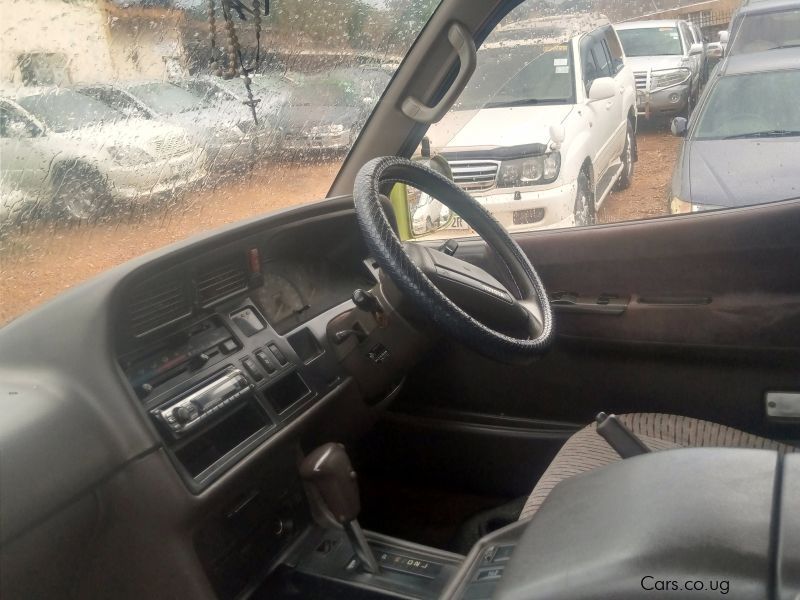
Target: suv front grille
[(475, 175)]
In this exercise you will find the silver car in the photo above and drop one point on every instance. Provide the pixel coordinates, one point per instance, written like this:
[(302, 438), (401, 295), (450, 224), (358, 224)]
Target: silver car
[(667, 64), (80, 155), (225, 133)]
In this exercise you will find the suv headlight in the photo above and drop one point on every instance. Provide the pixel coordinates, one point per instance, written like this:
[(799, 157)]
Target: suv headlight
[(129, 156), (668, 77), (531, 170)]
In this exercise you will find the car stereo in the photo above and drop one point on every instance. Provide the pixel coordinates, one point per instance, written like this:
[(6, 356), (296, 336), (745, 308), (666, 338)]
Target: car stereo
[(197, 406)]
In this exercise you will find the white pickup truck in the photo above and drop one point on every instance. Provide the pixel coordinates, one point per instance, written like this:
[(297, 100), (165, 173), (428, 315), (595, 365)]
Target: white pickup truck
[(543, 148)]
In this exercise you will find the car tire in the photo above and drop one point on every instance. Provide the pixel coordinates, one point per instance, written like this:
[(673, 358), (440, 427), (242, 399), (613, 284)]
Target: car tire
[(626, 175), (79, 191), (584, 201)]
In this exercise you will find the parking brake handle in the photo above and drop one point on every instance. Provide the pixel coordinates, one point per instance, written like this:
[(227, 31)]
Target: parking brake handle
[(619, 437)]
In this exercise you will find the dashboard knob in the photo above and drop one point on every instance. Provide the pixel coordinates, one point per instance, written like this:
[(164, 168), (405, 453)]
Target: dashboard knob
[(183, 414)]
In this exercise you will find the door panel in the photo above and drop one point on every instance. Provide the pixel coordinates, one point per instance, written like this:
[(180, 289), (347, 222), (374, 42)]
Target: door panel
[(712, 323)]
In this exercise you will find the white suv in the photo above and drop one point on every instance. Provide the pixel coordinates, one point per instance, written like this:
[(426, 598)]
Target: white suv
[(543, 148)]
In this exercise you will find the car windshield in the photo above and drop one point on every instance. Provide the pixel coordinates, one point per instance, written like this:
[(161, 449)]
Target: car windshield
[(518, 74), (67, 110), (770, 31), (651, 41), (756, 105), (166, 98)]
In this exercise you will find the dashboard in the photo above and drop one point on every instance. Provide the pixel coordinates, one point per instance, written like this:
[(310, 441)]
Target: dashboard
[(164, 421)]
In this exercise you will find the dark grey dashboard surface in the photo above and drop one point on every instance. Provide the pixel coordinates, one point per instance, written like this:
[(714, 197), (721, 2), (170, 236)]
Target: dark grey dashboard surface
[(71, 419)]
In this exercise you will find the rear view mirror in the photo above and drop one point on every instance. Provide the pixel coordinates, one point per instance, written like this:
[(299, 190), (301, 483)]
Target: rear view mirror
[(602, 89), (678, 126), (696, 48)]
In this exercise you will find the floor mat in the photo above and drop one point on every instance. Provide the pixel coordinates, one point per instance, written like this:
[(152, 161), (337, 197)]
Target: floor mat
[(424, 515)]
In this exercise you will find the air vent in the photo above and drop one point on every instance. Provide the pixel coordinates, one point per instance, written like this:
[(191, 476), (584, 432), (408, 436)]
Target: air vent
[(156, 304), (221, 282)]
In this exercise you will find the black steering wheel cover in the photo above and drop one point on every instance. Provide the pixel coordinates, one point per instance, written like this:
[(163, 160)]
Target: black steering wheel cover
[(387, 249)]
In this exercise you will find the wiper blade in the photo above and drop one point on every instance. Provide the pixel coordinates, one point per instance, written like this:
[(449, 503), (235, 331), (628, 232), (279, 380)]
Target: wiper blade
[(763, 134), (528, 102), (782, 46)]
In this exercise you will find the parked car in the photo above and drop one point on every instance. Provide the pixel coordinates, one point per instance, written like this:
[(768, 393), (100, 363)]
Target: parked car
[(667, 65), (224, 133), (765, 25), (743, 141), (270, 95), (556, 136), (80, 154), (329, 110)]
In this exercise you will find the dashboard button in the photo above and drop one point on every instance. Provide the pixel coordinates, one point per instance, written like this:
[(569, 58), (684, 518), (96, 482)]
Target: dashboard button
[(265, 361), (278, 353), (251, 368)]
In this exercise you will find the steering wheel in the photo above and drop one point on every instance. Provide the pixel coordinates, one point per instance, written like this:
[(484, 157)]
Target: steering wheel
[(461, 299)]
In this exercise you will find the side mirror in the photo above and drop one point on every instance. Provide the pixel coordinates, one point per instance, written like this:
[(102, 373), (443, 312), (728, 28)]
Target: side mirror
[(695, 48), (678, 126), (557, 135), (723, 37), (602, 89)]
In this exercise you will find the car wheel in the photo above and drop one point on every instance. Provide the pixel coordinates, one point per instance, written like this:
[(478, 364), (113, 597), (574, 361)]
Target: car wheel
[(626, 176), (584, 202), (80, 192)]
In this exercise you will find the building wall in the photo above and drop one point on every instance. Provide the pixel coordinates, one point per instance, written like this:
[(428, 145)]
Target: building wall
[(99, 41), (76, 30)]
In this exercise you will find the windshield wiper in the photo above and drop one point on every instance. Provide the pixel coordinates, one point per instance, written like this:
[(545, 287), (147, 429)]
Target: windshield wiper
[(528, 102), (768, 133), (782, 46)]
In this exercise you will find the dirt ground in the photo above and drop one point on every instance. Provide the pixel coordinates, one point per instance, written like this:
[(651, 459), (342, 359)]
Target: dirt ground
[(43, 261), (647, 195)]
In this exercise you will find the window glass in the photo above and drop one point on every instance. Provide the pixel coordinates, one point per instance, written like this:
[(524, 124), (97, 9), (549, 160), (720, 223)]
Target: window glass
[(758, 105), (651, 41), (615, 50), (65, 110), (151, 134), (765, 32), (602, 60)]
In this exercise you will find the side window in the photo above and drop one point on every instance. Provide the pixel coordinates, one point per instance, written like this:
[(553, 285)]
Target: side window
[(119, 101), (589, 64), (614, 49), (602, 59), (686, 34)]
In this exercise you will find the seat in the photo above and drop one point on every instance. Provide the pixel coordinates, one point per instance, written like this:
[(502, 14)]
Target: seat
[(586, 450)]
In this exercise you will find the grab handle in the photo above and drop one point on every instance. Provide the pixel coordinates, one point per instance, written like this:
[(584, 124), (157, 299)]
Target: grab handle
[(464, 45)]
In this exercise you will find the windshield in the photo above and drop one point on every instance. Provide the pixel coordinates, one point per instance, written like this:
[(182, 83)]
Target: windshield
[(651, 41), (66, 110), (530, 74), (780, 29), (166, 98), (209, 154), (757, 105)]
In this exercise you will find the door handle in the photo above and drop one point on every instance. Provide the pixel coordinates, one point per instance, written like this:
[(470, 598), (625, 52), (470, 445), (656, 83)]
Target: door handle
[(609, 105)]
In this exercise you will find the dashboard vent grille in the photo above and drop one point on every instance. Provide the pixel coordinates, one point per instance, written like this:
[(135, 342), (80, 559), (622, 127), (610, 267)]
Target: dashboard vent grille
[(221, 282), (154, 305)]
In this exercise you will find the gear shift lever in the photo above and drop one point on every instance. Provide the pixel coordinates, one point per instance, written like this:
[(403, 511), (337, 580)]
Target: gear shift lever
[(328, 469)]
